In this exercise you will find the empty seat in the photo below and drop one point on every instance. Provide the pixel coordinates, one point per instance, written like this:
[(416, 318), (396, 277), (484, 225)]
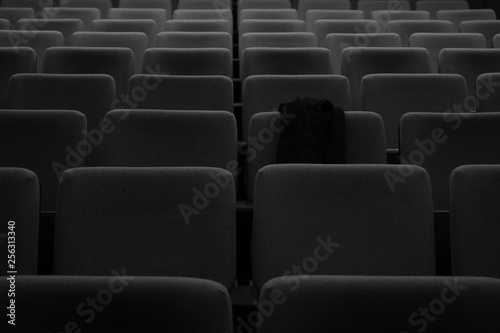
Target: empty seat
[(193, 61), (496, 41), (16, 13), (164, 4), (170, 138), (370, 6), (140, 211), (4, 24), (470, 63), (271, 26), (386, 16), (458, 16), (183, 92), (393, 95), (200, 25), (19, 212), (405, 28), (268, 14), (46, 142), (147, 27), (440, 142), (203, 4), (360, 61), (159, 15), (313, 15), (322, 28), (36, 5), (91, 94), (201, 39), (325, 304), (435, 42), (392, 234), (365, 141), (39, 41), (305, 5), (14, 60), (203, 14), (136, 41), (337, 42), (488, 28), (103, 5), (65, 26), (115, 61), (264, 4), (434, 6), (474, 214), (264, 93), (87, 15), (277, 39), (177, 304), (285, 61), (487, 94)]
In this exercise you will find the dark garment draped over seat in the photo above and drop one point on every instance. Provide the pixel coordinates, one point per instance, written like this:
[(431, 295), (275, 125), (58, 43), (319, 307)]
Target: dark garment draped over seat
[(316, 134)]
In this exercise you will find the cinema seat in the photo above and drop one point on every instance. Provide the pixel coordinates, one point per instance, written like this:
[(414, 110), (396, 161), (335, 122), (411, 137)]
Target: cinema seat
[(284, 61), (393, 95), (184, 92), (434, 6), (268, 14), (360, 61), (406, 28), (435, 42), (115, 61), (365, 141), (386, 16), (360, 303), (488, 28), (277, 39), (458, 16), (366, 230), (322, 28), (247, 26), (487, 94), (163, 4), (91, 94), (13, 14), (204, 4), (136, 41), (188, 40), (496, 41), (337, 42), (13, 61), (305, 5), (137, 212), (313, 15), (44, 141), (263, 4), (65, 26), (4, 24), (441, 142), (470, 63), (193, 61), (86, 15), (370, 6), (36, 5), (147, 27), (176, 304), (19, 212), (474, 220), (264, 93), (103, 5), (159, 15), (203, 14), (39, 41), (200, 25)]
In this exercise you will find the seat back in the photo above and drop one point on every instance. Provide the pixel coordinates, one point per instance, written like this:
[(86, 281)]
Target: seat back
[(103, 5), (487, 28), (86, 15), (159, 15), (458, 16), (313, 15), (19, 211), (199, 25), (65, 26), (323, 28), (406, 28), (150, 221), (276, 39), (305, 5), (393, 95), (487, 96), (440, 142), (392, 234), (369, 6), (247, 26), (14, 60), (204, 4), (187, 39), (147, 27), (13, 14), (433, 6), (360, 61)]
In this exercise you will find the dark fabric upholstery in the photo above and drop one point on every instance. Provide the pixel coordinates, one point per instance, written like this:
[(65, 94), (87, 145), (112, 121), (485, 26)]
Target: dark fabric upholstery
[(488, 28), (475, 213), (312, 15), (13, 61), (103, 5), (458, 16), (65, 26), (324, 27), (433, 6), (15, 14), (19, 202), (145, 26), (43, 141), (325, 304), (487, 95), (124, 304), (364, 226), (108, 218), (406, 28), (305, 5)]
